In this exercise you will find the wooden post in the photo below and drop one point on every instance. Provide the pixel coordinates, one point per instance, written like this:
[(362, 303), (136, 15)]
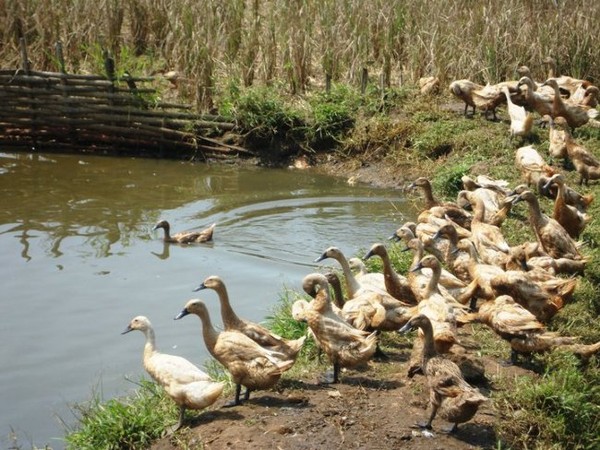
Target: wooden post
[(328, 83), (60, 57), (364, 79), (24, 59)]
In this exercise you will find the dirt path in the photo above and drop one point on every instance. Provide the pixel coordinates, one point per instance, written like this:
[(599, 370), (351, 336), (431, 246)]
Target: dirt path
[(374, 408)]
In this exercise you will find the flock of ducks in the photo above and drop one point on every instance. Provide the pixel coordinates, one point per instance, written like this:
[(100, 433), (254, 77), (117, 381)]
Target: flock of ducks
[(463, 270), (574, 100)]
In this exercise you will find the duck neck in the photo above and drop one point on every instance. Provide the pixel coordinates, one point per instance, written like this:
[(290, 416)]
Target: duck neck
[(322, 301), (352, 285), (167, 229), (388, 270), (338, 295), (209, 333), (150, 346), (428, 342), (428, 192), (228, 315), (536, 217), (432, 285)]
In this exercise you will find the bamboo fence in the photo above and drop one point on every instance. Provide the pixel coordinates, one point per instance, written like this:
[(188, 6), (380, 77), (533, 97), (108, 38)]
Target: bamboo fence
[(58, 111)]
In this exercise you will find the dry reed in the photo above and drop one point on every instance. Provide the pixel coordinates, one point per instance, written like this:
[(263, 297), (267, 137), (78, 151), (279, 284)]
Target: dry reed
[(300, 42)]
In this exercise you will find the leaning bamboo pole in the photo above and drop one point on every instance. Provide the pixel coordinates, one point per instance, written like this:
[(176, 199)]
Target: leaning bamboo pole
[(54, 110)]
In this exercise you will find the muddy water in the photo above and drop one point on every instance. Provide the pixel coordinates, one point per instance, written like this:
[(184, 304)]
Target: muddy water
[(79, 260)]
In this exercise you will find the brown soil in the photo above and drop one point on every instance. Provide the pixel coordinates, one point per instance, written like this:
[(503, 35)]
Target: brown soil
[(373, 408)]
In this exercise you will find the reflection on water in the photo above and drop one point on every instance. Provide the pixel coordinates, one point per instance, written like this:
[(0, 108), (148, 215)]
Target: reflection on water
[(81, 260)]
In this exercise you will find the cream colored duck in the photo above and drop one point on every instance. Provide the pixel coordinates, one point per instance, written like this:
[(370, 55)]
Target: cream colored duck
[(572, 220), (521, 122), (567, 85), (551, 235), (532, 166), (542, 298), (450, 209), (440, 309), (185, 237), (450, 286), (527, 257), (557, 147), (524, 333), (361, 273), (488, 239), (575, 115), (186, 384), (353, 285), (395, 284), (450, 396), (487, 97), (256, 332), (345, 345), (249, 364), (455, 259), (537, 100), (586, 164)]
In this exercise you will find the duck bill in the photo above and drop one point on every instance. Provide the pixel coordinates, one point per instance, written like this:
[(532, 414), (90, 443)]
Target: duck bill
[(406, 328), (321, 258), (183, 313), (127, 330), (199, 288)]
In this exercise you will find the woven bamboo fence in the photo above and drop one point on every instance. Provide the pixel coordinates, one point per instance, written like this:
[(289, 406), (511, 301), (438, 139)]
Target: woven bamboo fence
[(58, 111)]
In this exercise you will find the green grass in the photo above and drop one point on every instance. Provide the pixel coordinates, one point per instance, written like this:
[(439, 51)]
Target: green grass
[(132, 423)]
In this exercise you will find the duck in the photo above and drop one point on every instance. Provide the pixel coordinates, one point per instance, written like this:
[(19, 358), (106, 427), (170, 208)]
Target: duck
[(187, 385), (429, 85), (567, 85), (488, 239), (185, 237), (521, 122), (572, 220), (441, 310), (449, 209), (525, 334), (449, 285), (586, 164), (256, 332), (250, 365), (395, 284), (516, 325), (487, 97), (543, 296), (532, 166), (557, 147), (450, 396), (552, 237), (353, 285), (361, 272), (527, 257), (345, 345), (455, 259), (575, 115), (424, 232), (536, 99)]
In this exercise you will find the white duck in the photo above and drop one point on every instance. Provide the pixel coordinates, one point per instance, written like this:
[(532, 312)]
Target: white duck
[(185, 383)]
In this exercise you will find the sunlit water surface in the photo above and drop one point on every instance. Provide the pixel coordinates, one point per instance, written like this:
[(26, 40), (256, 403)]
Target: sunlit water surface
[(80, 260)]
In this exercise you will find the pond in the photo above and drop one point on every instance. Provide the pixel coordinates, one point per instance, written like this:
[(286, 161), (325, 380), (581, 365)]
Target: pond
[(80, 260)]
